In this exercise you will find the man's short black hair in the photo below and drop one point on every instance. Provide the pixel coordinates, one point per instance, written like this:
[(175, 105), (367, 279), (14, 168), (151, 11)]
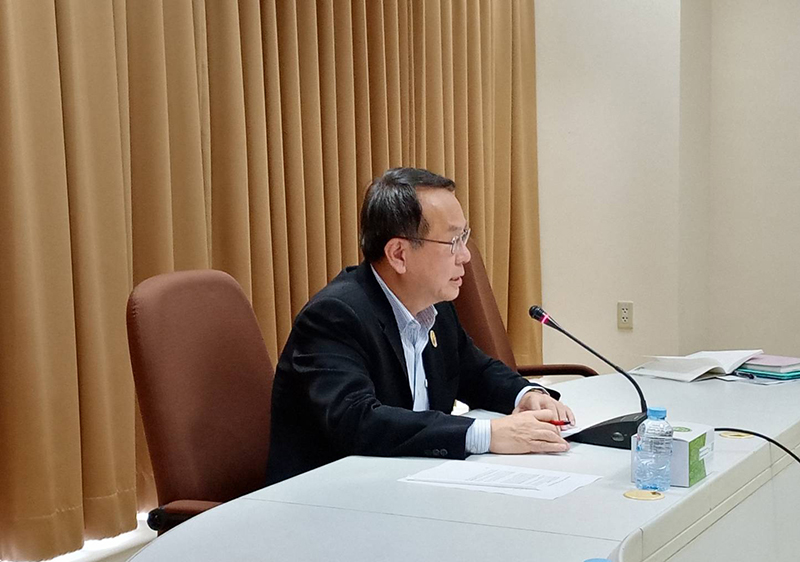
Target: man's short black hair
[(392, 209)]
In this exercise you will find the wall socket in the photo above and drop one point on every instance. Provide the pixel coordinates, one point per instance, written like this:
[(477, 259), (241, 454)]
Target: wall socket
[(625, 315)]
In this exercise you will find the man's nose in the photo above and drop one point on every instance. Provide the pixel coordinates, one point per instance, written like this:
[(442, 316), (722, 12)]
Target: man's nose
[(462, 254)]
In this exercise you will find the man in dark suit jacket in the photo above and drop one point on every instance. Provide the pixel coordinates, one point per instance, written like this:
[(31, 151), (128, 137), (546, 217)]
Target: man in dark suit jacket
[(376, 359)]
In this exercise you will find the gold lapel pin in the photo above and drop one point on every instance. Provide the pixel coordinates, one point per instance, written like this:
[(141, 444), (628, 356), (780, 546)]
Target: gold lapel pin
[(433, 339)]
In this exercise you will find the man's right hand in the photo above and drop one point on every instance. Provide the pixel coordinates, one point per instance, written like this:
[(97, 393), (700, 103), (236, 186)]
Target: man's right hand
[(526, 432)]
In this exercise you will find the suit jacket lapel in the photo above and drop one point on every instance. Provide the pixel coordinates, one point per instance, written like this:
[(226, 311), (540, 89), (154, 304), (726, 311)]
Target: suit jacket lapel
[(434, 372), (383, 310)]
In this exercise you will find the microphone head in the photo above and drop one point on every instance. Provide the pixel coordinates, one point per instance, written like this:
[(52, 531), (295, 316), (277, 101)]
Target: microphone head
[(537, 313)]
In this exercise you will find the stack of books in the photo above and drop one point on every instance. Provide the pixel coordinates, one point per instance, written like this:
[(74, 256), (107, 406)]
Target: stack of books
[(771, 367)]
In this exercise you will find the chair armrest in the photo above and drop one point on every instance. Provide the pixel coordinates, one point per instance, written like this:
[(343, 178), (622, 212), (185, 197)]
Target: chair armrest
[(165, 517), (555, 369)]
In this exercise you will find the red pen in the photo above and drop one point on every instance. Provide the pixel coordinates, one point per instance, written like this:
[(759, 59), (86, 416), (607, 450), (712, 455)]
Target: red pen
[(559, 423)]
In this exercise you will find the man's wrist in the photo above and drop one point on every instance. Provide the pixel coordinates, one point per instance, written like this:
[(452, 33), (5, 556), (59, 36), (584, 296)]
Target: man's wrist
[(527, 389), (479, 437)]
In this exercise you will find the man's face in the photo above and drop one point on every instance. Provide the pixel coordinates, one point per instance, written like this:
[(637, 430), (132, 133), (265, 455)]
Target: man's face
[(434, 270)]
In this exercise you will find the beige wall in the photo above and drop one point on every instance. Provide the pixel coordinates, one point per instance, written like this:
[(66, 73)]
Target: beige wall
[(755, 171), (669, 175), (694, 223), (608, 117)]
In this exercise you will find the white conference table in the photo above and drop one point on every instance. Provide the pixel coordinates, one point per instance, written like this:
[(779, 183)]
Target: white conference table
[(356, 509)]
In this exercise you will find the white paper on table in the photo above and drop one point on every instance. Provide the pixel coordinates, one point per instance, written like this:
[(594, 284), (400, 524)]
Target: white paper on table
[(502, 479), (571, 430)]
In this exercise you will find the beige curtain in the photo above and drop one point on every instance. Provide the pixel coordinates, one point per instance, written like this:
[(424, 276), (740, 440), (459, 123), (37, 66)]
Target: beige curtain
[(147, 136)]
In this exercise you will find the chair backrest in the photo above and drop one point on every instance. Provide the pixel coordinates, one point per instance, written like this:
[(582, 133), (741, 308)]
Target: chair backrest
[(204, 382), (477, 310)]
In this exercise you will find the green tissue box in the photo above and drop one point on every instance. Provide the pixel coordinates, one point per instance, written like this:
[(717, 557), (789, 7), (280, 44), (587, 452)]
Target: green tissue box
[(692, 453)]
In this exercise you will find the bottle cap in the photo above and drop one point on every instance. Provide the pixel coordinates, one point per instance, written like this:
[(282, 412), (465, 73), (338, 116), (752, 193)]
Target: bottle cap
[(656, 413)]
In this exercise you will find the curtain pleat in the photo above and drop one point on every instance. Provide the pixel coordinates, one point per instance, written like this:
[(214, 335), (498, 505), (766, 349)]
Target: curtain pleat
[(262, 269), (501, 50), (460, 95), (289, 61), (230, 213), (312, 185), (279, 215), (141, 138), (121, 58), (329, 179), (524, 275), (394, 94), (344, 100), (204, 109), (190, 231), (151, 189), (364, 171), (378, 96), (433, 91), (151, 207), (487, 140), (99, 264), (40, 455), (145, 484), (406, 81), (448, 126), (476, 170)]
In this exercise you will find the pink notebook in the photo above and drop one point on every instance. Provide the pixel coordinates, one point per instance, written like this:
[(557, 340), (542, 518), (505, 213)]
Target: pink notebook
[(773, 363)]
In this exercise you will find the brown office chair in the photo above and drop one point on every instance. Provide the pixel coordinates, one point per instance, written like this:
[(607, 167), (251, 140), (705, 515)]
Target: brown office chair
[(204, 382), (478, 313)]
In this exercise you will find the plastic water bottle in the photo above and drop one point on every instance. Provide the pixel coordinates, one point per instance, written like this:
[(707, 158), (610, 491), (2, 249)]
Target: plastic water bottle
[(653, 451)]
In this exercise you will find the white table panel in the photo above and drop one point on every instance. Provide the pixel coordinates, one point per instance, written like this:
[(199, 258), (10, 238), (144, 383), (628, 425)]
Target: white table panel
[(371, 484), (336, 511), (762, 527), (266, 531)]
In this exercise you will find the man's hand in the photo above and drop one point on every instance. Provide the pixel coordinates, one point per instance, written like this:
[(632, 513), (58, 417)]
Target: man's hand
[(527, 432), (535, 401)]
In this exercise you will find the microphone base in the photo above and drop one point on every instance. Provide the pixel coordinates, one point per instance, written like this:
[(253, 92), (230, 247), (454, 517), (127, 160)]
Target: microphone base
[(616, 432)]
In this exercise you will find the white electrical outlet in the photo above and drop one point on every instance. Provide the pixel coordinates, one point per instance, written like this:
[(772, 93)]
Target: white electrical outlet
[(625, 315)]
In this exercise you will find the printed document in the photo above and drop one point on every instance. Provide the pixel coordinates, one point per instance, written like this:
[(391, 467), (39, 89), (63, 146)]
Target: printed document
[(502, 479)]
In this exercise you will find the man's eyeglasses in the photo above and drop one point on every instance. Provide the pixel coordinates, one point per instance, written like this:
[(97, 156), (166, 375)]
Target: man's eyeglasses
[(455, 244)]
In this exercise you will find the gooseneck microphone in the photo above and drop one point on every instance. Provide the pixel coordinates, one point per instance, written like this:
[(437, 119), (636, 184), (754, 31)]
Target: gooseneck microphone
[(616, 432), (538, 314)]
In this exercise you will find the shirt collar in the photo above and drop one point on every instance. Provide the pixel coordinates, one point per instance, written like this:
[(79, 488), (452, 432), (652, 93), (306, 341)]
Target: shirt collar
[(425, 318)]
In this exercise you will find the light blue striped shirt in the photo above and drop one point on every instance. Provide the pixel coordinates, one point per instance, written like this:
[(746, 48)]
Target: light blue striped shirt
[(414, 337)]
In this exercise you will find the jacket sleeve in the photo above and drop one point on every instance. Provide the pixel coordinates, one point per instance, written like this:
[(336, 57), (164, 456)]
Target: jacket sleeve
[(486, 382), (331, 355)]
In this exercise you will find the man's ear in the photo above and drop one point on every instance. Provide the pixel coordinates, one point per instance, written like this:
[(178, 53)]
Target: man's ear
[(395, 251)]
